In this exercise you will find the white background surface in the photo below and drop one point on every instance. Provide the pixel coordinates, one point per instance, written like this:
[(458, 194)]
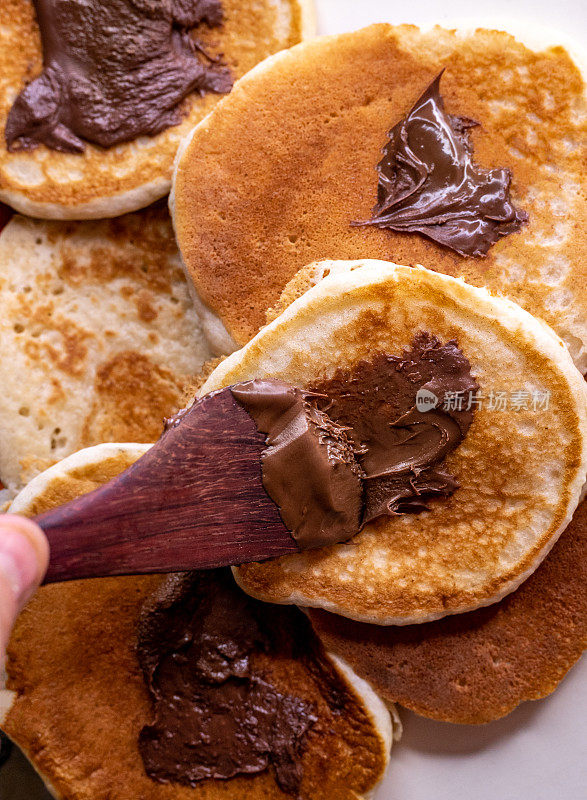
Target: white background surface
[(539, 752), (567, 16)]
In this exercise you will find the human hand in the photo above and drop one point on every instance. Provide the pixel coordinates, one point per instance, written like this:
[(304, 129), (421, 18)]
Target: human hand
[(24, 556)]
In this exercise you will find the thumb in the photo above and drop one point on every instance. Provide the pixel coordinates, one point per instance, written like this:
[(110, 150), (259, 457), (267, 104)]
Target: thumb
[(24, 555)]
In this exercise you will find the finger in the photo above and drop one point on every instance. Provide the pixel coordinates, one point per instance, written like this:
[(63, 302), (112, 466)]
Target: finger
[(24, 556)]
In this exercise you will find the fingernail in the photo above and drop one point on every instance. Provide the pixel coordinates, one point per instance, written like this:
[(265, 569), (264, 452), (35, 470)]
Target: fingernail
[(18, 562)]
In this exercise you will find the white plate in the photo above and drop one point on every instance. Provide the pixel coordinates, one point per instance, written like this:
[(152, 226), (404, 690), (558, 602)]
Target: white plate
[(539, 752)]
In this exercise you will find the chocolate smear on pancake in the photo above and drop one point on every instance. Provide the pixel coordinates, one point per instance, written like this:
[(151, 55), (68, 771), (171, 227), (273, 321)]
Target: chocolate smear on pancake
[(309, 466), (113, 70), (208, 654), (365, 443), (430, 184), (404, 415)]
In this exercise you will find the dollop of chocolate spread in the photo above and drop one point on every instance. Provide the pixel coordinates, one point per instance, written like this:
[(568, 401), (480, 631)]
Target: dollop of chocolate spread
[(430, 184), (364, 443), (207, 651), (113, 70), (400, 441), (309, 466)]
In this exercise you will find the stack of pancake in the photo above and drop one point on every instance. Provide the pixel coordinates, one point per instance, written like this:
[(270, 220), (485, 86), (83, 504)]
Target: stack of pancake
[(459, 602)]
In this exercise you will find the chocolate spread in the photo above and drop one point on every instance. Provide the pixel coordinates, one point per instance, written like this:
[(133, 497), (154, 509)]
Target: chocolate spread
[(364, 443), (401, 442), (309, 466), (429, 183), (113, 70), (208, 654)]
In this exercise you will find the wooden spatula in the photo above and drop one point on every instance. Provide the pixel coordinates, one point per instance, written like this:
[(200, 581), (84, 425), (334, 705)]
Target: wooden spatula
[(194, 500)]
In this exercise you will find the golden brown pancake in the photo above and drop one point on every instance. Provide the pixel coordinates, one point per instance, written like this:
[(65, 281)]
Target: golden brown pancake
[(108, 182), (274, 177), (76, 698), (520, 471), (477, 667), (99, 336)]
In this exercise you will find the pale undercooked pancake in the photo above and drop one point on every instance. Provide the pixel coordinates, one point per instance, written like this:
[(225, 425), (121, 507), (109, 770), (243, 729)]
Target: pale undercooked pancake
[(76, 698), (98, 336), (521, 466), (477, 667), (273, 178), (108, 182)]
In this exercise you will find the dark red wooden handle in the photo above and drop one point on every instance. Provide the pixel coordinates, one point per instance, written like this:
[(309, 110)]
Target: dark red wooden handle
[(194, 500)]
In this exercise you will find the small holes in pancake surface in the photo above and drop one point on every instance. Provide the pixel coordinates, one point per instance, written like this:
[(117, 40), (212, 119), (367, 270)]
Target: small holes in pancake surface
[(57, 442)]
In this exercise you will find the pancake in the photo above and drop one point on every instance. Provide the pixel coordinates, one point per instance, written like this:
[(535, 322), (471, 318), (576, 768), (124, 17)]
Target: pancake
[(108, 182), (477, 667), (99, 336), (247, 217), (77, 699), (520, 471)]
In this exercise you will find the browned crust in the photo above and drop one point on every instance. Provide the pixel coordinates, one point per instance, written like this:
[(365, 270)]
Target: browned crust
[(132, 398), (82, 703), (249, 214), (477, 667), (81, 700)]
